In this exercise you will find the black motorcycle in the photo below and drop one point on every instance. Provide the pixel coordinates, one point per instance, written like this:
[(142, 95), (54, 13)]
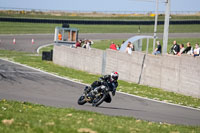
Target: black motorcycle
[(96, 96)]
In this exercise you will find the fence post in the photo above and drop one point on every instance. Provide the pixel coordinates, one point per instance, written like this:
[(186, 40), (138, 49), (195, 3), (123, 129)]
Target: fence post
[(142, 67), (103, 63)]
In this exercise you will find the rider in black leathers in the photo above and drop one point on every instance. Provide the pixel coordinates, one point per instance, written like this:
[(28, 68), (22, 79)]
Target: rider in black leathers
[(110, 80)]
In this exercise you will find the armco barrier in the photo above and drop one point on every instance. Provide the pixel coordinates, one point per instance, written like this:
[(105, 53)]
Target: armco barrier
[(172, 73)]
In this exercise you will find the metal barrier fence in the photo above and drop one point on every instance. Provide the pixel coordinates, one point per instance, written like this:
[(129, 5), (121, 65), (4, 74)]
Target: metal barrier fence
[(96, 22)]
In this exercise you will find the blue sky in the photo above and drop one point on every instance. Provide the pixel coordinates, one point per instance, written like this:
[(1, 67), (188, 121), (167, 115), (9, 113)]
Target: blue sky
[(102, 5)]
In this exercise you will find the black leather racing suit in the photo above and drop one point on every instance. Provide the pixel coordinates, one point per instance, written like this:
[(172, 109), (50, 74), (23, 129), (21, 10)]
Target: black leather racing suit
[(111, 84)]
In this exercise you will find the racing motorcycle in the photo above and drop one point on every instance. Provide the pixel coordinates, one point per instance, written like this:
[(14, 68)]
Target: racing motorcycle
[(96, 96)]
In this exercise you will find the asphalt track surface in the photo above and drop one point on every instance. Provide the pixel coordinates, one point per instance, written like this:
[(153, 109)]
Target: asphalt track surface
[(24, 84), (23, 42)]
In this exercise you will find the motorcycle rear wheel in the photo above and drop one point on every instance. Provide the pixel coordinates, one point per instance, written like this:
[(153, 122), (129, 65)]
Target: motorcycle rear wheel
[(99, 101)]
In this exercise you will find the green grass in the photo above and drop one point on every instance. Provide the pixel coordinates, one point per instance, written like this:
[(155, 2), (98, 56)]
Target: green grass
[(49, 48), (26, 28), (34, 28), (22, 117), (105, 44), (84, 77)]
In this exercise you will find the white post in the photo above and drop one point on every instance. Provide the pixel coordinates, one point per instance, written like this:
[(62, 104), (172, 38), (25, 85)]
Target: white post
[(166, 26), (147, 49), (155, 25), (56, 35)]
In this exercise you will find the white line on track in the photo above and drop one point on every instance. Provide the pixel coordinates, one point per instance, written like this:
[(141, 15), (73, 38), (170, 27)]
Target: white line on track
[(87, 84), (46, 45), (23, 34), (3, 71)]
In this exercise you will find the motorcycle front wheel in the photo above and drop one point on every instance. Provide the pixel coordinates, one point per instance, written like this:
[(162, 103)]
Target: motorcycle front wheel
[(81, 100)]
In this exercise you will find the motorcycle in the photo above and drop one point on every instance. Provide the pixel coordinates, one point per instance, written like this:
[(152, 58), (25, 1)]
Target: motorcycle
[(96, 96)]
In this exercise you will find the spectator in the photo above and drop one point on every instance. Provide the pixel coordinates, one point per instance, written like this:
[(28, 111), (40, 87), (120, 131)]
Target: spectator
[(196, 50), (181, 49), (158, 49), (129, 48), (118, 47), (122, 43), (59, 36), (84, 44), (78, 44), (189, 49), (90, 42), (81, 41), (113, 46), (132, 47), (175, 49), (87, 44)]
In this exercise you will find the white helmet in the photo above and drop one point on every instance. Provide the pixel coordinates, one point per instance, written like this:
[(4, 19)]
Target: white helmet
[(114, 76)]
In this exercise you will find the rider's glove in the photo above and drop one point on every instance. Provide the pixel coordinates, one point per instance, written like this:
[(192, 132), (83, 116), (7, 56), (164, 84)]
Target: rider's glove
[(103, 82), (87, 89)]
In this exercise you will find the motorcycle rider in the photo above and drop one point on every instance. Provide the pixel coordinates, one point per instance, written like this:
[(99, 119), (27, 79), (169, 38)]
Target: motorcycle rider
[(111, 81)]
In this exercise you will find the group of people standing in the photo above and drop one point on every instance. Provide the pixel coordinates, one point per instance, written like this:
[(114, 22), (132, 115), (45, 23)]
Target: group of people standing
[(177, 49), (113, 46), (129, 48), (84, 44)]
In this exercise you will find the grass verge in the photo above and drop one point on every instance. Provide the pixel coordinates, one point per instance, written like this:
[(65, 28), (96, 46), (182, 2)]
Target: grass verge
[(33, 28), (22, 117), (84, 77)]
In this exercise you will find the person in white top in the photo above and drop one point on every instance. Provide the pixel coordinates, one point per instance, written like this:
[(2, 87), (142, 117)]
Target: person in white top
[(181, 49), (129, 48), (196, 50), (87, 44)]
